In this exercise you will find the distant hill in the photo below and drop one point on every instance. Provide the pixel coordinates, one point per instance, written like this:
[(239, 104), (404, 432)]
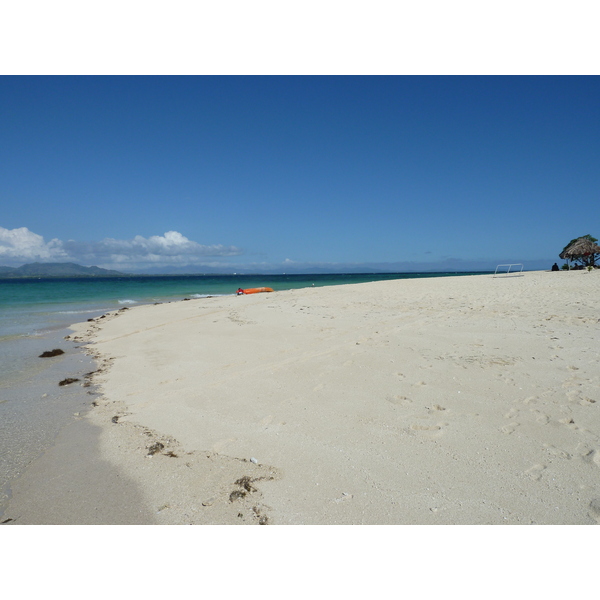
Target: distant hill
[(57, 270)]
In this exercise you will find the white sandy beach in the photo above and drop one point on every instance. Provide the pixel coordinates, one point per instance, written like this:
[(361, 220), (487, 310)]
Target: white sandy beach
[(453, 400)]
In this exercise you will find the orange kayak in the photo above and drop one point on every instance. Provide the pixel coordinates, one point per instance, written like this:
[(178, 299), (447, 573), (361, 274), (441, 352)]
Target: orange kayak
[(254, 290)]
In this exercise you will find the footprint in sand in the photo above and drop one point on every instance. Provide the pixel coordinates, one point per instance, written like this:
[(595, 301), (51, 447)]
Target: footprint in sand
[(510, 428), (554, 451), (595, 510), (536, 471), (569, 422), (592, 457), (266, 420), (344, 497), (579, 398), (222, 444), (434, 430), (541, 396), (435, 408), (399, 400), (541, 417)]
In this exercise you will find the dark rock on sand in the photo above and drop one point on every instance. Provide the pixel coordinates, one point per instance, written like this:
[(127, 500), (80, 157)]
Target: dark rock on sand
[(49, 353)]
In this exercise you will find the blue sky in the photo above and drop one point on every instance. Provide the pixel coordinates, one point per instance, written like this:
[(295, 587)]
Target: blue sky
[(292, 172)]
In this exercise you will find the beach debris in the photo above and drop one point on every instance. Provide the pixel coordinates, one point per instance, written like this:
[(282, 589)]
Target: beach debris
[(171, 454), (88, 378), (68, 381), (253, 460), (245, 482), (115, 419), (6, 521), (156, 447), (245, 488), (345, 496), (208, 502), (49, 353), (262, 518), (236, 495)]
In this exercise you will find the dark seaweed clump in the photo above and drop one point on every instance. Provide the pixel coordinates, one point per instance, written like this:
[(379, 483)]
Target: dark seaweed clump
[(67, 381), (245, 482), (156, 447), (49, 353), (236, 495)]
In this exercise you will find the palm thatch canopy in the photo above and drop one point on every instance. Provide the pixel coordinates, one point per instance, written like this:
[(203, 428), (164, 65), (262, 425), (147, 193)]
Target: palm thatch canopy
[(580, 248)]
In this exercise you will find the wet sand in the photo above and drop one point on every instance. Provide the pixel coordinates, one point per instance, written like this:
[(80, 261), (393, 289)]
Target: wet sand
[(461, 400), (33, 407)]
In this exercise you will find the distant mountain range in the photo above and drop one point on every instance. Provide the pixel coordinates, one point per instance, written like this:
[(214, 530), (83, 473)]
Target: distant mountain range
[(74, 270), (57, 270)]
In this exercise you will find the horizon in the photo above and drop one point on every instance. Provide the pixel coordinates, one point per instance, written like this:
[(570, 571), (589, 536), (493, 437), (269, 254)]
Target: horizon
[(270, 273), (237, 173)]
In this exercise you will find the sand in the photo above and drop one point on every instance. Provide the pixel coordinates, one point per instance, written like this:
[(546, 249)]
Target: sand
[(454, 400)]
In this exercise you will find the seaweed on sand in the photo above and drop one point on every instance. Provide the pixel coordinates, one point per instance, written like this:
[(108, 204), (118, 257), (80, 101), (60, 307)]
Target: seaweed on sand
[(49, 353)]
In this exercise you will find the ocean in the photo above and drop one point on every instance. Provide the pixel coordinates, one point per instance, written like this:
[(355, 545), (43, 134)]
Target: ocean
[(34, 317)]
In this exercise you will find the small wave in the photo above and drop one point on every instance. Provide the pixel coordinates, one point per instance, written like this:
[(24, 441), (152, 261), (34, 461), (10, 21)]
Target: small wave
[(81, 312), (12, 336), (37, 333), (210, 295), (127, 301)]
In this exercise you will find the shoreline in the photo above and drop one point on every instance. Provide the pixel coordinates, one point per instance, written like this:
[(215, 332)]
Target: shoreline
[(463, 400), (35, 408)]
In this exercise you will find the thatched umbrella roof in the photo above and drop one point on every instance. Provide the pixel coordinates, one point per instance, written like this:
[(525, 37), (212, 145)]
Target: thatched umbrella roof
[(580, 247)]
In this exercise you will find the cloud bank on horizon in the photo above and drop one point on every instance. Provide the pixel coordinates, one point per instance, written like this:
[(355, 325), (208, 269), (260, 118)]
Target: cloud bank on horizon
[(175, 253), (21, 245)]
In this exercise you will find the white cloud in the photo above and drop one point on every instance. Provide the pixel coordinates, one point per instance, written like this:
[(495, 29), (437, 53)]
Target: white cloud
[(172, 248), (22, 244)]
